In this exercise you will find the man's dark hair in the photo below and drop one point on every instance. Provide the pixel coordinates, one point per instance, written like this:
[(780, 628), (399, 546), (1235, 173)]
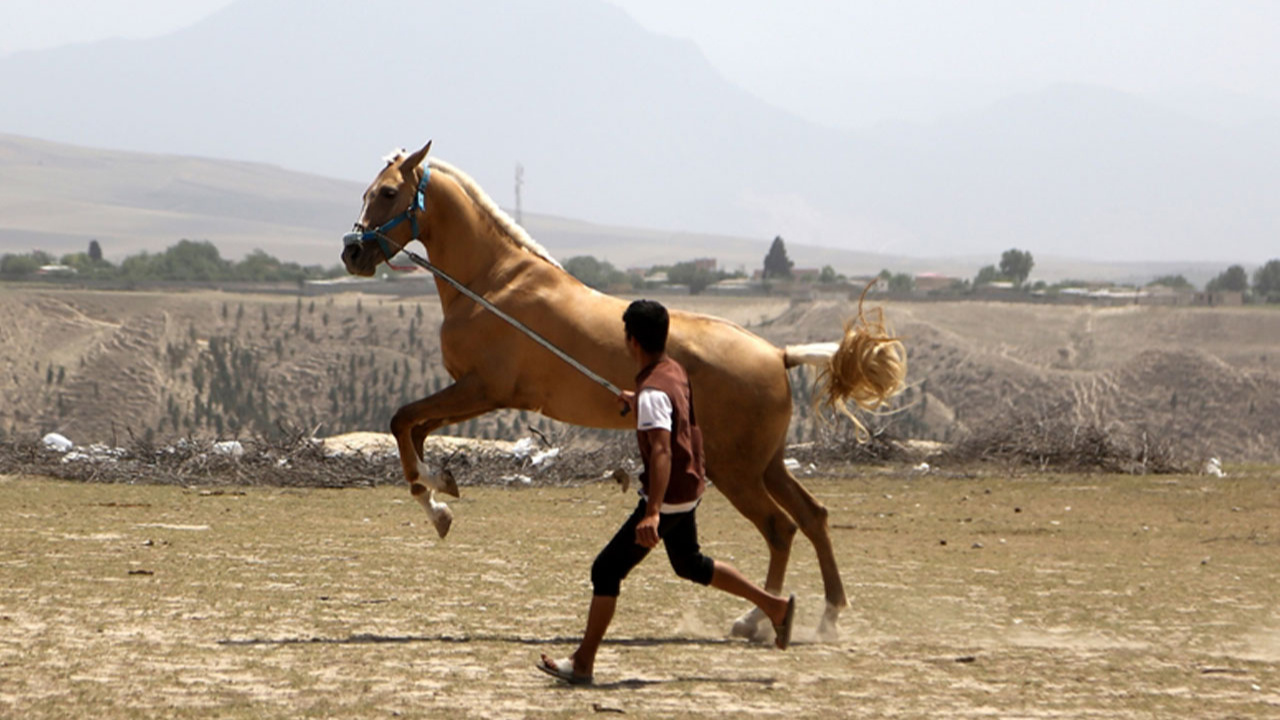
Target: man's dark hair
[(647, 321)]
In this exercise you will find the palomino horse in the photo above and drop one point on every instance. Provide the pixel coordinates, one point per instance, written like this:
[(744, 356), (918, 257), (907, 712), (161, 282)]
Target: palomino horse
[(740, 382)]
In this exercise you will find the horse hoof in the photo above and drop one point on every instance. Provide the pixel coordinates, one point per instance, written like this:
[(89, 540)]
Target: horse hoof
[(443, 520), (828, 630), (752, 626), (446, 483)]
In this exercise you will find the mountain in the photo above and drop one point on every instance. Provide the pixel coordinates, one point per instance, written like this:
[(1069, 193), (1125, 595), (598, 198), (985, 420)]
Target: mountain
[(620, 126), (57, 198)]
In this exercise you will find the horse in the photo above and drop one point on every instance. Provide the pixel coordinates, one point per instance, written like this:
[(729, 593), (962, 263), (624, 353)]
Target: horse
[(741, 388)]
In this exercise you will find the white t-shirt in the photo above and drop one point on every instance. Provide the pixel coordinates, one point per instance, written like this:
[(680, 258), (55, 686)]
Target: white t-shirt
[(653, 412)]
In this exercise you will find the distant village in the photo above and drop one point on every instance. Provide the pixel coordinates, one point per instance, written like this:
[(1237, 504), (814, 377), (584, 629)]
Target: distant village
[(1008, 280), (812, 284)]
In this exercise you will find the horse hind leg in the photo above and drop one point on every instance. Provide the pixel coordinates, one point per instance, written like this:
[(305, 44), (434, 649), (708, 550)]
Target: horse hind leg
[(811, 516)]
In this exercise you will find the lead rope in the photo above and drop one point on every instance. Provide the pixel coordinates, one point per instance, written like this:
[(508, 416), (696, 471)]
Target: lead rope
[(479, 300)]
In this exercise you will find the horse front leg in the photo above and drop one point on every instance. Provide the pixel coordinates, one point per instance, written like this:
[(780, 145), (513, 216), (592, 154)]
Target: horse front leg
[(410, 426)]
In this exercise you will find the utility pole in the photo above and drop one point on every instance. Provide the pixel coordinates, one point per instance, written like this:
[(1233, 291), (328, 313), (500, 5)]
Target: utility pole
[(519, 184)]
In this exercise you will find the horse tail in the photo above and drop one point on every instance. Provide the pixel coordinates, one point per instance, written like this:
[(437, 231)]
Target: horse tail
[(868, 367)]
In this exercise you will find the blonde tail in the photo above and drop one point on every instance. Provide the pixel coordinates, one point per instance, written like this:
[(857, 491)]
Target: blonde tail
[(868, 366)]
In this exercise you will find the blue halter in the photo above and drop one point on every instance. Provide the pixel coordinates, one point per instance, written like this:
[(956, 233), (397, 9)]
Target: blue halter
[(410, 213)]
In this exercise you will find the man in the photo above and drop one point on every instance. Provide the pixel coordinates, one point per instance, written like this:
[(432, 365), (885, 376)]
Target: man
[(671, 487)]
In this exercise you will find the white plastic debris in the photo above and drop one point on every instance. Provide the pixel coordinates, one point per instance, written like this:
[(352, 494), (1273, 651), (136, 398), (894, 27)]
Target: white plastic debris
[(545, 458), (231, 448), (523, 448), (516, 479), (103, 452), (1214, 467), (922, 468), (57, 443), (96, 452), (792, 464)]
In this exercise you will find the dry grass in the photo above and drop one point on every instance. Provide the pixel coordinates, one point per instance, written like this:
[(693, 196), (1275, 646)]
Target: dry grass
[(1050, 439)]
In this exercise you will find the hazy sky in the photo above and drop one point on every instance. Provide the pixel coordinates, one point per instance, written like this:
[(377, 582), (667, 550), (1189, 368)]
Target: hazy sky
[(852, 63)]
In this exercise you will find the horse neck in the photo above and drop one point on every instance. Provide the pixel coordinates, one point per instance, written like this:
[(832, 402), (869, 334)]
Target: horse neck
[(463, 241)]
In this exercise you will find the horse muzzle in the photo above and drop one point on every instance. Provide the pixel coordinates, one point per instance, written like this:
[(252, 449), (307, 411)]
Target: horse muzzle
[(356, 258)]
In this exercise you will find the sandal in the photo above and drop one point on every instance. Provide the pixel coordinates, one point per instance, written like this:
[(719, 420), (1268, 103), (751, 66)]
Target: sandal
[(562, 670)]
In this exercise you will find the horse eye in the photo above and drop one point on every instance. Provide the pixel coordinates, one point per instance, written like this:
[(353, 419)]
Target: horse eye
[(388, 193)]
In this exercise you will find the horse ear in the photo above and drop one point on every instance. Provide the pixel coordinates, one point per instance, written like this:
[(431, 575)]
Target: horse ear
[(416, 159)]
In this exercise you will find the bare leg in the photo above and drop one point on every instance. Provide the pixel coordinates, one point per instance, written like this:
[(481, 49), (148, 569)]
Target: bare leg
[(727, 578), (598, 619)]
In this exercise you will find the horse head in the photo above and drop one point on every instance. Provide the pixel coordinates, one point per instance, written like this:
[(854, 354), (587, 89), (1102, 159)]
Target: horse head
[(389, 220)]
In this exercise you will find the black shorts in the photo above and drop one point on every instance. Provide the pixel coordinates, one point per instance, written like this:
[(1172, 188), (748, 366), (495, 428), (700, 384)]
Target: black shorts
[(679, 533)]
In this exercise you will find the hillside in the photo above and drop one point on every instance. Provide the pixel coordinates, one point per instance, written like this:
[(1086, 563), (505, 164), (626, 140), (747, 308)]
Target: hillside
[(98, 366), (623, 127), (56, 198)]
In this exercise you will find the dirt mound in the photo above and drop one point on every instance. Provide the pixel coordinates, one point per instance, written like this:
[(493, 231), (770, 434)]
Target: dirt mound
[(1202, 401), (115, 367), (1197, 379)]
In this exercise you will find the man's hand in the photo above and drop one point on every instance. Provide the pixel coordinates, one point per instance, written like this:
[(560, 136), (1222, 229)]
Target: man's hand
[(647, 532), (626, 401)]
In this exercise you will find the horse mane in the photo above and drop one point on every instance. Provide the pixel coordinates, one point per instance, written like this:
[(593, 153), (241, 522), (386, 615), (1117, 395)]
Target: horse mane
[(516, 234)]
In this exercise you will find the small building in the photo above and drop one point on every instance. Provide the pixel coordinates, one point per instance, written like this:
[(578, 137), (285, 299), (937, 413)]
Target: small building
[(933, 282), (734, 286), (878, 284), (1220, 298)]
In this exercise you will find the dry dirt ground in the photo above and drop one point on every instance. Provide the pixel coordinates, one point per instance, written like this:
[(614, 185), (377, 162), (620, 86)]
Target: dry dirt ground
[(1012, 596)]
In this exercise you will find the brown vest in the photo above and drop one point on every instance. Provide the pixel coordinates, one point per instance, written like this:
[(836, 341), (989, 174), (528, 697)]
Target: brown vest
[(688, 472)]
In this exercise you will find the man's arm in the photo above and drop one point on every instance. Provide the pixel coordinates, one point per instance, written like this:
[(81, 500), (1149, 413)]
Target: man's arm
[(659, 477)]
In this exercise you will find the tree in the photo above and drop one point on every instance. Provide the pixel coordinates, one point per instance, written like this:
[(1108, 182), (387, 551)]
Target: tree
[(828, 275), (95, 251), (1266, 281), (594, 273), (902, 282), (776, 263), (1233, 279), (687, 273), (1016, 265), (193, 260), (18, 265), (986, 276), (1177, 282)]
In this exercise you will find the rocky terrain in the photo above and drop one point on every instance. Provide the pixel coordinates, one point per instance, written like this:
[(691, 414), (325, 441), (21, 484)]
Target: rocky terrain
[(107, 366)]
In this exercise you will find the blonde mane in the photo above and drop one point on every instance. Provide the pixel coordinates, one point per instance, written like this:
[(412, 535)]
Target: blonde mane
[(509, 227)]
